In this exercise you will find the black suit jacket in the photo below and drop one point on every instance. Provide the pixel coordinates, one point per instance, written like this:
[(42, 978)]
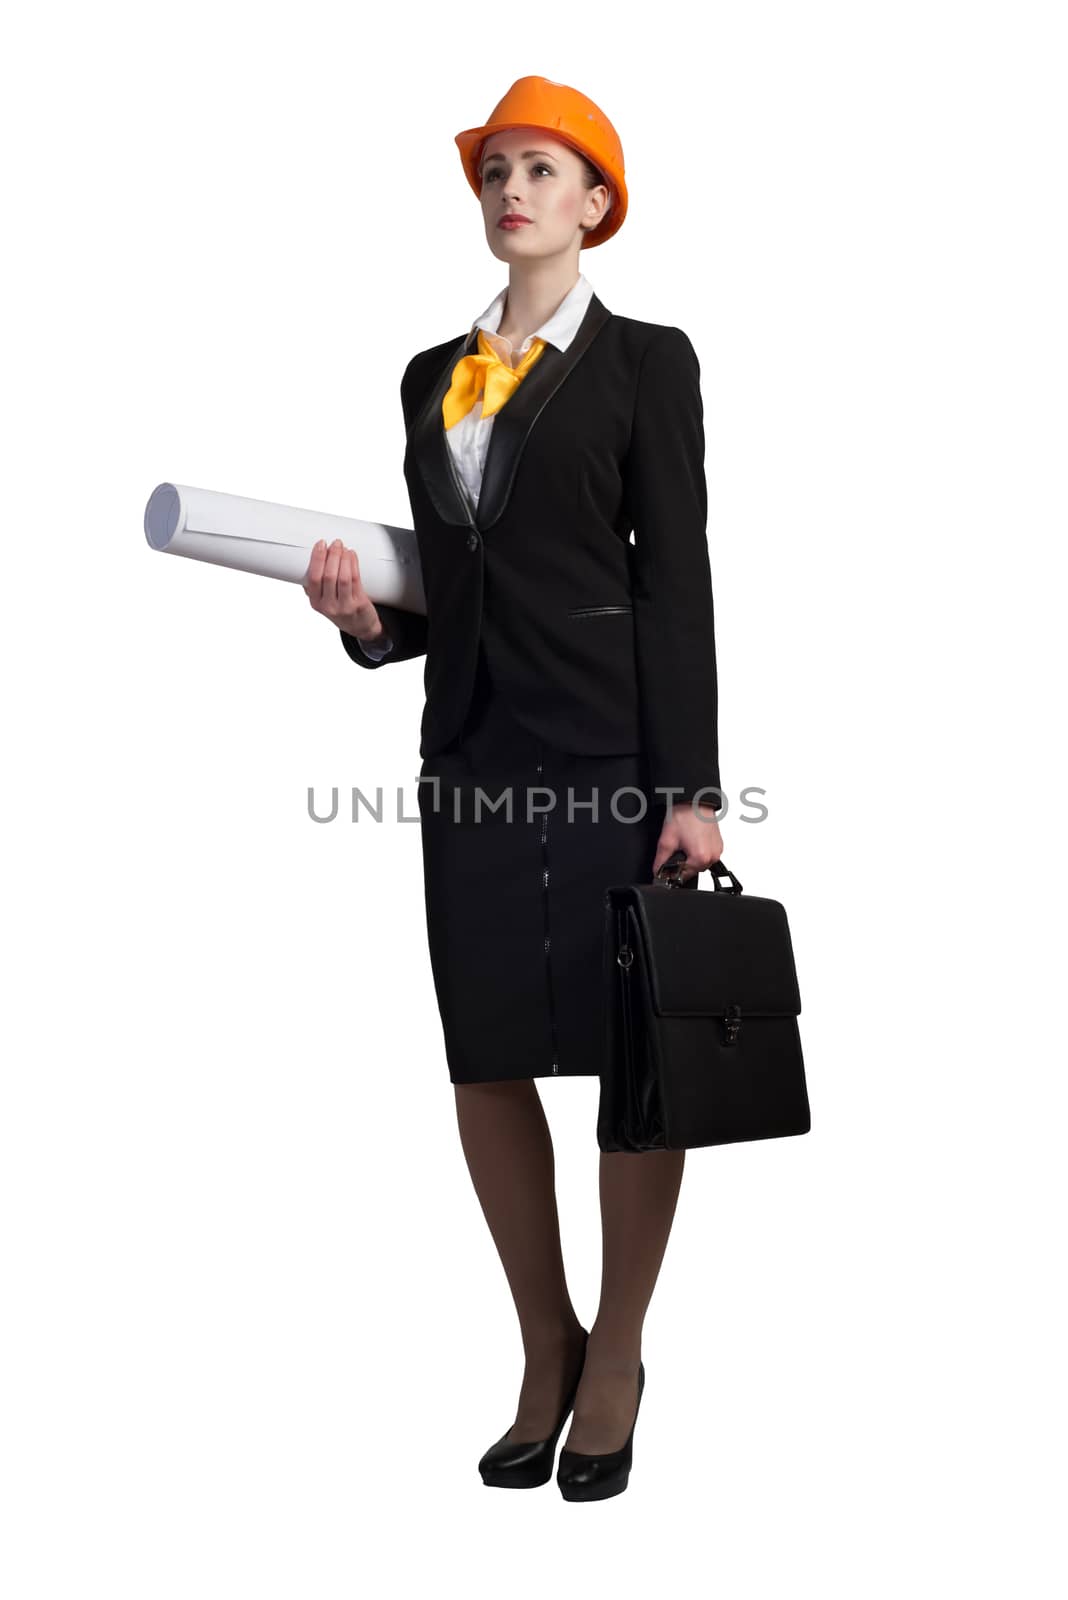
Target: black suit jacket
[(585, 567)]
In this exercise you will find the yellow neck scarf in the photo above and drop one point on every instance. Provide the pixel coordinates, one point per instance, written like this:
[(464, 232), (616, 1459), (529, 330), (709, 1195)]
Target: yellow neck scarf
[(485, 375)]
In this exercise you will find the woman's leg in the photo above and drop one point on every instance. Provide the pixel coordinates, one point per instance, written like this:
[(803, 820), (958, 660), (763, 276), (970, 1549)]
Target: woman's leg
[(638, 1197), (509, 1151)]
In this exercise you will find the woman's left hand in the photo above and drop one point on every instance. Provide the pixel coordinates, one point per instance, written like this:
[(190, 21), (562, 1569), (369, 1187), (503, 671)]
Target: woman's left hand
[(695, 830)]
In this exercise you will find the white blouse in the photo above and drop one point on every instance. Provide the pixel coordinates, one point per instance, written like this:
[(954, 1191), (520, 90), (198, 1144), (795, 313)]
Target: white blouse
[(469, 438)]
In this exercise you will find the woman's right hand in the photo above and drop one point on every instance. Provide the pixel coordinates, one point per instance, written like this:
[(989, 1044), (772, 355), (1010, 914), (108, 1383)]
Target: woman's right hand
[(334, 587)]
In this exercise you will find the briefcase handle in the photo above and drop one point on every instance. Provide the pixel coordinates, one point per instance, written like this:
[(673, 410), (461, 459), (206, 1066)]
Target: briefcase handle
[(668, 872)]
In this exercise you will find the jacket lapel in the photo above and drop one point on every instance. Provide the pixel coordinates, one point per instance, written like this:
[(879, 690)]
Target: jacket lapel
[(511, 427)]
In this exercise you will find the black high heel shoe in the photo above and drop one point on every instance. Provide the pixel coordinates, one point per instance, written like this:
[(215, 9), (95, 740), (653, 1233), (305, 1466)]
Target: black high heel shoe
[(527, 1463), (586, 1477)]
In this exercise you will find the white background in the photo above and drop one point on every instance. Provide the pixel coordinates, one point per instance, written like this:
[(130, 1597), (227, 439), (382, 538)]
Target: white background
[(256, 1334)]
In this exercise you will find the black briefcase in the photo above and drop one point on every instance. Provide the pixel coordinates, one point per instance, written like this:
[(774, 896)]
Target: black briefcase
[(702, 1002)]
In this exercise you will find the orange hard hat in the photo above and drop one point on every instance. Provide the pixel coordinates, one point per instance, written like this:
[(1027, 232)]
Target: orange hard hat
[(569, 116)]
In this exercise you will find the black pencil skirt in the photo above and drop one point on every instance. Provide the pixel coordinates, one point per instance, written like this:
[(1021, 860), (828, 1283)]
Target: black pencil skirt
[(515, 865)]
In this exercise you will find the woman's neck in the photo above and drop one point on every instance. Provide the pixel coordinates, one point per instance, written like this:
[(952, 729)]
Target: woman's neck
[(535, 290)]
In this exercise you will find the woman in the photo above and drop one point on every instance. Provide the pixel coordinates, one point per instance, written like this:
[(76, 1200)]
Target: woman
[(555, 463)]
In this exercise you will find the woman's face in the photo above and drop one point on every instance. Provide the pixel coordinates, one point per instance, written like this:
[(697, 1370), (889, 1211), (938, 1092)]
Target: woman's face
[(526, 171)]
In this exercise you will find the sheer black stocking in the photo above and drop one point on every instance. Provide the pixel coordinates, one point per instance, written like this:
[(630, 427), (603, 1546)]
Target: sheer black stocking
[(638, 1199), (509, 1152), (508, 1147)]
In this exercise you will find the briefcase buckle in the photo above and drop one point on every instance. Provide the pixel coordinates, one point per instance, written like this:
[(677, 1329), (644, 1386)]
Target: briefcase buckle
[(732, 1023)]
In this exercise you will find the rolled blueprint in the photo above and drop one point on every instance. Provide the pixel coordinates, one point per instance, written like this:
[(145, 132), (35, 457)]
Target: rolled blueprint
[(275, 541)]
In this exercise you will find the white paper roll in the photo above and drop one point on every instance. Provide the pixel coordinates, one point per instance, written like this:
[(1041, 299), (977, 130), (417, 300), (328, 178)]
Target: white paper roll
[(275, 541)]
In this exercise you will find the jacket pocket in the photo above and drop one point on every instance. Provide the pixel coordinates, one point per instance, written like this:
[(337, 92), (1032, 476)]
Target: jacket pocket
[(597, 611)]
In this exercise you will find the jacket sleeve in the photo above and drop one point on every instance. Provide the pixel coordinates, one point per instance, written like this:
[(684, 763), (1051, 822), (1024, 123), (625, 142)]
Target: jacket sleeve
[(407, 630), (671, 577)]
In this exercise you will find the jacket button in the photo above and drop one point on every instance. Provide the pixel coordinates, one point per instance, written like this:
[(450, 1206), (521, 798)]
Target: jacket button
[(472, 541)]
